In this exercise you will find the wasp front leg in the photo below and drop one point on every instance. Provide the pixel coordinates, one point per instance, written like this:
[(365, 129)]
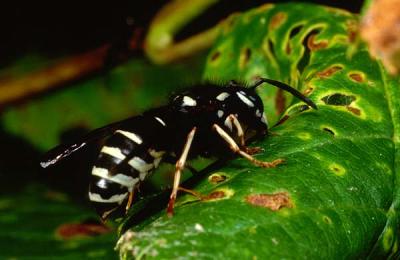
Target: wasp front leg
[(240, 133), (179, 166), (236, 149)]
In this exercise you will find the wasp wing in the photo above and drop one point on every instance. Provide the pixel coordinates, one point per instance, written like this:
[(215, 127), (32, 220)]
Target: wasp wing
[(62, 151)]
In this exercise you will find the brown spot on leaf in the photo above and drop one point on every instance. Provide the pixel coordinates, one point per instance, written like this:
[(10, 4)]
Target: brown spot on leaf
[(244, 58), (352, 30), (214, 195), (274, 201), (215, 56), (354, 110), (313, 45), (277, 20), (288, 49), (217, 178), (280, 101), (308, 91), (73, 230), (329, 71), (358, 77), (282, 120)]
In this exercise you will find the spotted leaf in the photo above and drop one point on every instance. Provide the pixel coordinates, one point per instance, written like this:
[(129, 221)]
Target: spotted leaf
[(336, 196)]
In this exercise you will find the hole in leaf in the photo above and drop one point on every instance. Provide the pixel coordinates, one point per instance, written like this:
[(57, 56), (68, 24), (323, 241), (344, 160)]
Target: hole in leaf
[(305, 59), (274, 201), (338, 99), (303, 108), (295, 31), (271, 47), (329, 130)]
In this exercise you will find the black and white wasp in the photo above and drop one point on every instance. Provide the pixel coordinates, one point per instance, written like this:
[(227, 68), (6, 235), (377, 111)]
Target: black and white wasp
[(206, 120)]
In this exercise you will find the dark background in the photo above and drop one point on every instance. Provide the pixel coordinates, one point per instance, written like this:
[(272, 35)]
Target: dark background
[(72, 26)]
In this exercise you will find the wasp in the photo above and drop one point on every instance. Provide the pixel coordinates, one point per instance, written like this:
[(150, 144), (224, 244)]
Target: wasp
[(206, 120)]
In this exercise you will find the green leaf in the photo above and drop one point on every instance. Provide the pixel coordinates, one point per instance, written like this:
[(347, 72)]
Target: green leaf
[(39, 223), (337, 194)]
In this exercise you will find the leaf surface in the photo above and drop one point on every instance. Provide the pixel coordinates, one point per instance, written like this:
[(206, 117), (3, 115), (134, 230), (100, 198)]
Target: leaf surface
[(336, 196)]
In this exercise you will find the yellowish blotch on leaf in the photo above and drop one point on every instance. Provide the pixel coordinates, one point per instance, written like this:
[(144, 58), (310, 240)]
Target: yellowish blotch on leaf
[(387, 240), (304, 135), (337, 169), (327, 220)]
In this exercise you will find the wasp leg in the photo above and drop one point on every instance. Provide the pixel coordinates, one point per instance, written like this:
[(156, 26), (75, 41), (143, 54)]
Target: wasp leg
[(236, 149), (240, 133), (179, 166), (239, 128), (106, 214), (130, 200), (193, 193)]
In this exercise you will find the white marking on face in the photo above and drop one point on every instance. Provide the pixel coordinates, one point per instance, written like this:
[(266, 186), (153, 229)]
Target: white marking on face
[(113, 151), (228, 123), (140, 165), (220, 113), (189, 102), (222, 96), (258, 113), (242, 97), (119, 178), (160, 120), (113, 199), (134, 137)]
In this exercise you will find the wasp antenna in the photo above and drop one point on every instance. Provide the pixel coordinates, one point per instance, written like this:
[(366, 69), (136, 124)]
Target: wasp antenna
[(285, 87)]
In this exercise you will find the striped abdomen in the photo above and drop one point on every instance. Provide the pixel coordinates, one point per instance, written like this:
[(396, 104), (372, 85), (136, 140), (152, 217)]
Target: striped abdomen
[(124, 161)]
